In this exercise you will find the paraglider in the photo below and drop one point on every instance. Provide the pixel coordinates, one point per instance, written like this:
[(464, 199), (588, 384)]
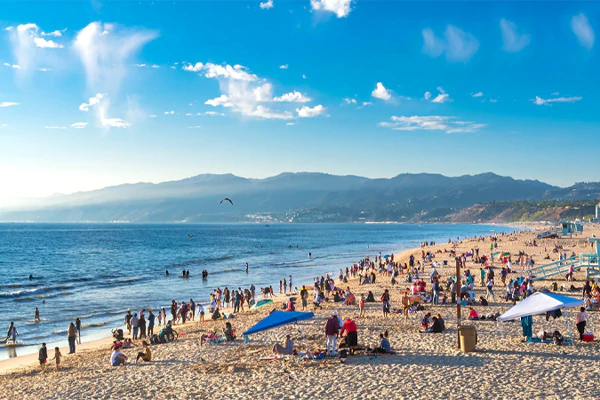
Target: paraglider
[(226, 199)]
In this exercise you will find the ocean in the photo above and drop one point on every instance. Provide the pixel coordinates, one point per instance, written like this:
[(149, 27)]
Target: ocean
[(98, 271)]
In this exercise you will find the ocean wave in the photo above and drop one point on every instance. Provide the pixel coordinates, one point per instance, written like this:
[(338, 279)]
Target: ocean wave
[(42, 296), (278, 264), (224, 271), (23, 292), (118, 311), (19, 285)]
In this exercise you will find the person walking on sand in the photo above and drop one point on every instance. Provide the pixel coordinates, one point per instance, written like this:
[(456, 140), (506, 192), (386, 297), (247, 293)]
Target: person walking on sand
[(361, 306), (72, 336), (151, 319), (56, 358), (332, 329), (43, 356)]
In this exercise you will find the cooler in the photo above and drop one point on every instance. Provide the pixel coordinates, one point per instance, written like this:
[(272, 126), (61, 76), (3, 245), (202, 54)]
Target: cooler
[(588, 337)]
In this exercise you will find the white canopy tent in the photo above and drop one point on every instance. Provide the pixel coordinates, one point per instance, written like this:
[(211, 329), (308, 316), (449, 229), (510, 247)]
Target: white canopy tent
[(540, 303)]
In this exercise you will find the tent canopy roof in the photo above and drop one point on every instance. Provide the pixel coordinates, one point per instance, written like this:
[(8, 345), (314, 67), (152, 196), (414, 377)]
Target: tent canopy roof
[(539, 303), (277, 319)]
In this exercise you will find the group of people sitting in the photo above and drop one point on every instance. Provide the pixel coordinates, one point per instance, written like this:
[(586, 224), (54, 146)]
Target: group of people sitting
[(118, 358), (434, 324)]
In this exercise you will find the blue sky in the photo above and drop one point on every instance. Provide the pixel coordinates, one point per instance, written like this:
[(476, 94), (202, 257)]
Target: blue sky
[(97, 93)]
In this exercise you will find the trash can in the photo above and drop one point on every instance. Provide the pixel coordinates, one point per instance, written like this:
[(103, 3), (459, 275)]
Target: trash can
[(468, 338)]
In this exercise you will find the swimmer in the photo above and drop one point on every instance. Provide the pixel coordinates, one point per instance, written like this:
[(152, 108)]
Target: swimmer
[(246, 267), (167, 272), (30, 277), (36, 315)]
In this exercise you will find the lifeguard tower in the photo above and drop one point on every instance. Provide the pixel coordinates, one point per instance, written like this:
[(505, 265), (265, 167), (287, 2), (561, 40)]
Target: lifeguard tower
[(589, 261), (564, 229)]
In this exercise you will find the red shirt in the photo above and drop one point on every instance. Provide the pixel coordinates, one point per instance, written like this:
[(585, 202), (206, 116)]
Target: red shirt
[(349, 327)]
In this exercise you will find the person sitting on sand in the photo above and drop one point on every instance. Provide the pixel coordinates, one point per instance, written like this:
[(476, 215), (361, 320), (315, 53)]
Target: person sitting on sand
[(286, 349), (473, 314), (370, 297), (318, 300), (216, 314), (436, 327), (442, 322), (145, 355), (290, 305), (350, 299), (483, 301), (127, 343), (117, 358), (384, 345), (425, 321), (229, 332)]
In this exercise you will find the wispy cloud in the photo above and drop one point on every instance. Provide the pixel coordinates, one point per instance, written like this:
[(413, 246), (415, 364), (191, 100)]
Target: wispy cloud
[(546, 102), (456, 44), (307, 112), (380, 92), (583, 30), (54, 33), (348, 100), (79, 125), (106, 50), (29, 47), (267, 5), (55, 127), (446, 124), (341, 8), (512, 40), (478, 94), (6, 104), (13, 66), (284, 66)]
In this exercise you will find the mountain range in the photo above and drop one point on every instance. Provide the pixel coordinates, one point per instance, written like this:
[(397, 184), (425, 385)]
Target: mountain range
[(295, 197)]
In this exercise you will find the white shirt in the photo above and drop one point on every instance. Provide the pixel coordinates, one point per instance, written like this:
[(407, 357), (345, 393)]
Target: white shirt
[(114, 358)]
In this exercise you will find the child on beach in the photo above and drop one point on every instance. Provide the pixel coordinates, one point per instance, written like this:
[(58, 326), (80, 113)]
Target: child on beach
[(57, 356), (361, 306)]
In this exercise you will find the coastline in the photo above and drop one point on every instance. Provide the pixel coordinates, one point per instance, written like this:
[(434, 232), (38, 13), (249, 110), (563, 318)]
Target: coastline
[(30, 360), (424, 366)]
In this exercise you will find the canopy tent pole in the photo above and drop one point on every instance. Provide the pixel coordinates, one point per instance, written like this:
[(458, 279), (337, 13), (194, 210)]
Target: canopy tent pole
[(569, 327)]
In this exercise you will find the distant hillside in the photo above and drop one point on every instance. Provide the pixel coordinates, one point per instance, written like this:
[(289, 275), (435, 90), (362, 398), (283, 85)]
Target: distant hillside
[(295, 197), (522, 211)]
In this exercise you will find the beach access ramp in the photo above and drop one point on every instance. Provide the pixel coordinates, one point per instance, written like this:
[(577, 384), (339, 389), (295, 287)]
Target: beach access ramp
[(552, 269)]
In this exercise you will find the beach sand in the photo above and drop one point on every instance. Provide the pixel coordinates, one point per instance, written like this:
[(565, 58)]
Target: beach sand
[(427, 366)]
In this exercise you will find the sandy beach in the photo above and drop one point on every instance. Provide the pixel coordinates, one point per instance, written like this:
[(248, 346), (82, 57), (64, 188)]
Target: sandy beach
[(424, 365)]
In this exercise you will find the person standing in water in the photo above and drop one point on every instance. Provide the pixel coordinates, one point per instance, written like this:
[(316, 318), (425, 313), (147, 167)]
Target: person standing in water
[(246, 267), (36, 317)]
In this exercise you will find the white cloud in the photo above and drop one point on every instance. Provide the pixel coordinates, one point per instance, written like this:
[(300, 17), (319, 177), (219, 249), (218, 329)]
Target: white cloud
[(341, 8), (193, 68), (55, 127), (427, 95), (267, 5), (493, 100), (307, 112), (47, 44), (152, 116), (263, 93), (44, 69), (13, 66), (366, 103), (456, 44), (267, 113), (290, 123), (539, 101), (293, 97), (155, 66), (513, 40), (104, 50), (381, 92), (169, 112), (303, 76), (114, 123), (92, 102), (442, 97), (54, 33), (222, 100), (582, 29), (284, 66), (237, 72), (28, 46), (189, 115), (79, 125), (348, 100), (478, 94), (140, 65), (447, 124), (6, 104), (212, 114)]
